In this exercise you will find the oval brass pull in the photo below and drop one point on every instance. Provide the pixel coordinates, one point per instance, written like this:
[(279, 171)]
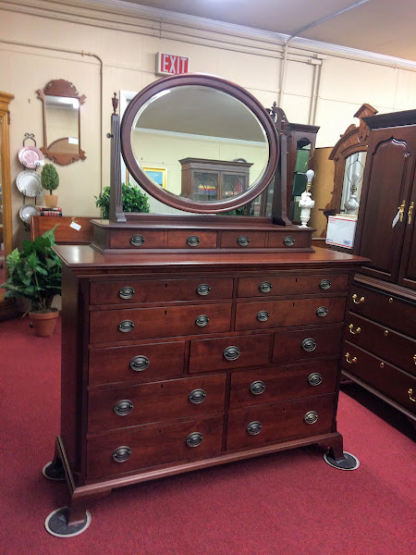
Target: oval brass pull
[(322, 311), (315, 379), (122, 454), (351, 328), (139, 363), (126, 293), (265, 287), (254, 428), (125, 326), (263, 316), (289, 241), (137, 240), (231, 353), (123, 407), (258, 387), (353, 360), (311, 417), (309, 344), (197, 396), (325, 284), (243, 241), (193, 241), (204, 289), (202, 320), (410, 393), (194, 440), (359, 301)]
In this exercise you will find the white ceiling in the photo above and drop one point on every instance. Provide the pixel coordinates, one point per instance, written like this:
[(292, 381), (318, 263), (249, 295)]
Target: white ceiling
[(381, 26)]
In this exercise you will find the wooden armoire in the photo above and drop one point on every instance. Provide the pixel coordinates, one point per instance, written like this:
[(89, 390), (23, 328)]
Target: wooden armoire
[(380, 332)]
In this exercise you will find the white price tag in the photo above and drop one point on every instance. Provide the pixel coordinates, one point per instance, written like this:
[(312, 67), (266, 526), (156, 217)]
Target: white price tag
[(396, 219), (75, 226)]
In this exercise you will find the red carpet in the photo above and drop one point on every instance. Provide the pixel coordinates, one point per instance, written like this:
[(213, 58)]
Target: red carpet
[(290, 503)]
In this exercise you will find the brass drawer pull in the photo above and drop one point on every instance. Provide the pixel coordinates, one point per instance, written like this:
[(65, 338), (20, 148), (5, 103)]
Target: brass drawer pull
[(123, 407), (311, 417), (351, 328), (202, 320), (353, 360), (197, 396), (289, 241), (204, 289), (126, 326), (254, 428), (325, 284), (322, 311), (139, 363), (194, 440), (258, 387), (243, 241), (315, 379), (410, 393), (193, 241), (126, 293), (359, 301), (231, 353), (263, 316), (265, 287), (309, 344), (122, 454), (137, 240)]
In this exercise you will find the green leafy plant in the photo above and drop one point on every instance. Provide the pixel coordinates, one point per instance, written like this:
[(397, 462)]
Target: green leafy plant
[(133, 200), (35, 272), (49, 178)]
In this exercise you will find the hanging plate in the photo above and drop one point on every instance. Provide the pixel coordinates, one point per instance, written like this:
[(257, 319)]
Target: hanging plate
[(30, 156), (29, 184), (26, 212)]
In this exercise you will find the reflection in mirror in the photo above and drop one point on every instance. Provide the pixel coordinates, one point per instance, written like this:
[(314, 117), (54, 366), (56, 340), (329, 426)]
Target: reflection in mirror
[(303, 152), (353, 178), (185, 132), (61, 122)]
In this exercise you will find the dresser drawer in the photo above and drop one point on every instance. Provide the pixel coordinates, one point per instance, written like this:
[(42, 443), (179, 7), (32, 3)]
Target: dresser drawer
[(384, 377), (243, 240), (269, 385), (386, 309), (145, 323), (282, 240), (284, 284), (208, 355), (153, 402), (136, 291), (280, 421), (291, 346), (192, 239), (141, 363), (381, 341), (147, 446), (137, 239), (274, 314)]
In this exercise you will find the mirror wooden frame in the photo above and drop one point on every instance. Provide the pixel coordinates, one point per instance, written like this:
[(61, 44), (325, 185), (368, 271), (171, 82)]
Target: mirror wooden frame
[(60, 87), (222, 85)]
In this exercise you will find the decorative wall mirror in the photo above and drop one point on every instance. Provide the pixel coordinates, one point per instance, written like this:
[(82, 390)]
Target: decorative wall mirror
[(62, 122)]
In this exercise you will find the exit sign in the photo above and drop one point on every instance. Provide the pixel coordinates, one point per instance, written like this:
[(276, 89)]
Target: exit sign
[(168, 64)]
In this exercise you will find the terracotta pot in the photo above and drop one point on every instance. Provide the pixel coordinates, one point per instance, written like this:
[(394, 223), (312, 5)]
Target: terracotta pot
[(51, 201), (44, 323)]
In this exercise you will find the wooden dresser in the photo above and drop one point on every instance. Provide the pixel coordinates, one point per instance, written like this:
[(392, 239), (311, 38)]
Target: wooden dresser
[(380, 332)]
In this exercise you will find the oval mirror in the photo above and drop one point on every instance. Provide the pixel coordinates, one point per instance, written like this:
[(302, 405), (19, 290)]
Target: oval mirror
[(199, 143), (353, 178)]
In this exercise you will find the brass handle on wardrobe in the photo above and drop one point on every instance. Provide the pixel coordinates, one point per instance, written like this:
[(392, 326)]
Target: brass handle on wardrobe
[(359, 301), (410, 212), (410, 393), (401, 210), (351, 328), (353, 360)]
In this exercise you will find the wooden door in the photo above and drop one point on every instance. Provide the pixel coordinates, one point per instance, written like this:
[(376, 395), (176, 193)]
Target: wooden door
[(407, 270), (387, 182)]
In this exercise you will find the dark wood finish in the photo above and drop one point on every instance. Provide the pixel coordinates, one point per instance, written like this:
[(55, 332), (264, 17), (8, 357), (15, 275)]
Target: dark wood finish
[(64, 234), (230, 239), (116, 213), (189, 240), (151, 239), (292, 284)]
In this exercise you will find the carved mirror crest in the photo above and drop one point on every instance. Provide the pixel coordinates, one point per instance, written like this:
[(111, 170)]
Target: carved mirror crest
[(62, 122)]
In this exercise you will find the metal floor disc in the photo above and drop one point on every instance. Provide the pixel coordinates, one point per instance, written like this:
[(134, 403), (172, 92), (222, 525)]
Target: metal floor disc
[(53, 473), (56, 524), (349, 463)]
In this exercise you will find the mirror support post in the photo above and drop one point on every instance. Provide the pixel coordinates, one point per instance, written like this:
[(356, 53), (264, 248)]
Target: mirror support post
[(116, 200)]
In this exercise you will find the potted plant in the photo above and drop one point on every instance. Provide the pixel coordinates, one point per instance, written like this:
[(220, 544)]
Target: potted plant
[(35, 275), (50, 181), (133, 200)]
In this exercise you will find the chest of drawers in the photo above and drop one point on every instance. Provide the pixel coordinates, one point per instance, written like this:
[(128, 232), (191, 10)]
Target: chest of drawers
[(174, 364)]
